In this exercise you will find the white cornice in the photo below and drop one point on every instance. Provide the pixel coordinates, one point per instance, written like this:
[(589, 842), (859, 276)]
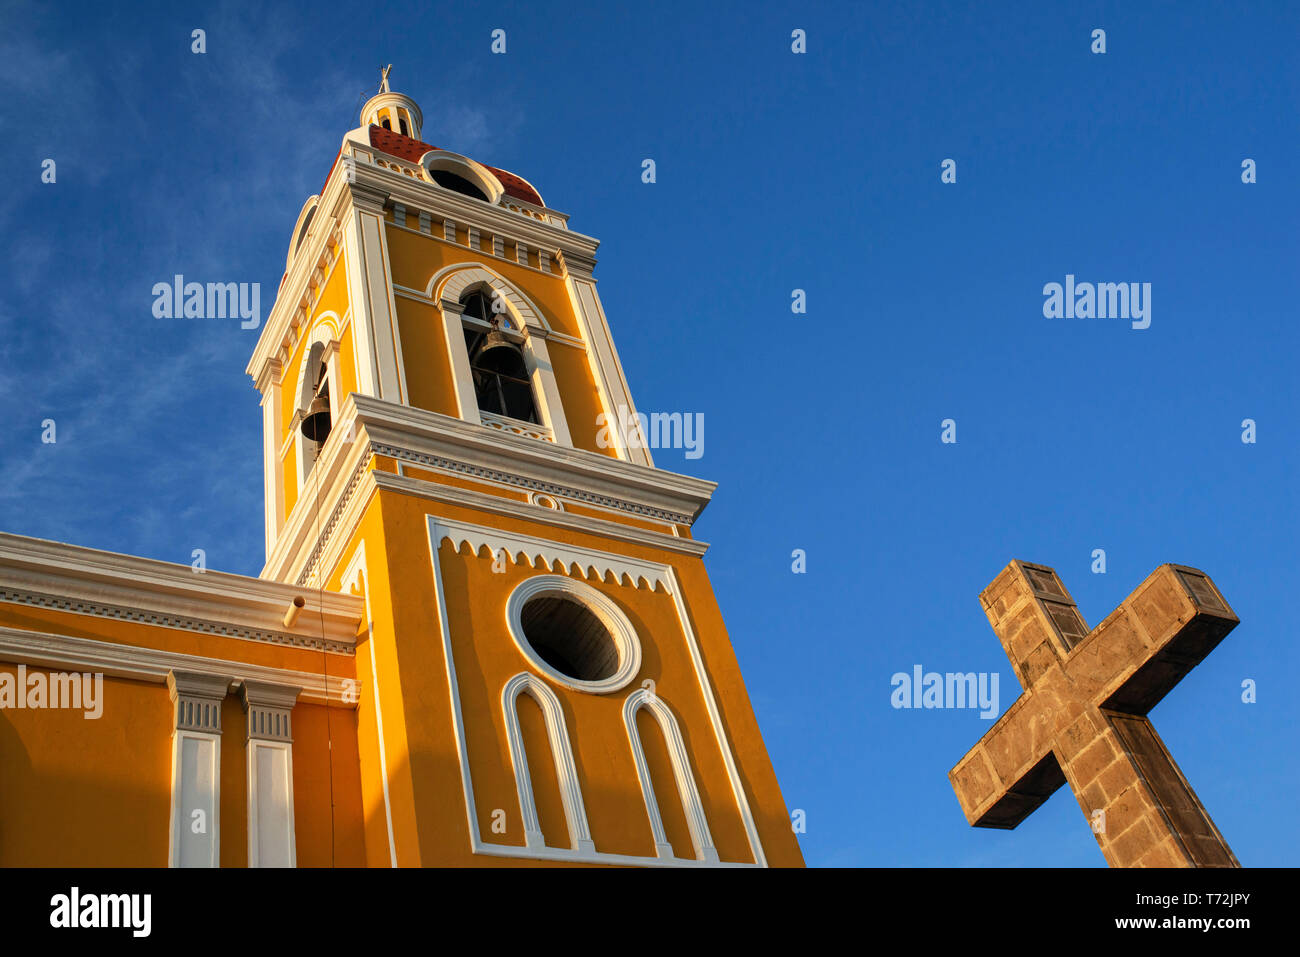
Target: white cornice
[(486, 502), (443, 443), (106, 584), (149, 664), (576, 473), (416, 194)]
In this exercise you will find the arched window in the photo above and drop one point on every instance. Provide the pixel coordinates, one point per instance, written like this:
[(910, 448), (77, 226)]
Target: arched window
[(401, 121), (318, 394), (457, 184), (502, 382), (302, 233), (386, 123)]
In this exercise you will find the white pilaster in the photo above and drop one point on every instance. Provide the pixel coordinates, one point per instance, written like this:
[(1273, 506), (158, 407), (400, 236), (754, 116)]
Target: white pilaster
[(196, 768), (547, 392), (610, 382), (272, 471), (374, 313), (271, 840), (454, 331)]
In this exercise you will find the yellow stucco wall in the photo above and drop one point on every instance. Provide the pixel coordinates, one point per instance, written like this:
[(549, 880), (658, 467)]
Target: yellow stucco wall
[(79, 792)]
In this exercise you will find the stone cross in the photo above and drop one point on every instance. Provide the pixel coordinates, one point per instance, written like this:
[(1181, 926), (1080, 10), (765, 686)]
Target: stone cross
[(1082, 717), (383, 78)]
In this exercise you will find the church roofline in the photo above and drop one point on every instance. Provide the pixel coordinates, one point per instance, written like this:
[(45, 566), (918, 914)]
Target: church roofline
[(404, 147), (72, 578)]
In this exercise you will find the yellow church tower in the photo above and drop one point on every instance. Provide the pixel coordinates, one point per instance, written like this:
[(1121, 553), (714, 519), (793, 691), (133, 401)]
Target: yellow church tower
[(541, 673)]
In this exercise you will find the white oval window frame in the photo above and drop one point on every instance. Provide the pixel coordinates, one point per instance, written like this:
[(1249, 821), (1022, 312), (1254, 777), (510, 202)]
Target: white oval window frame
[(600, 605)]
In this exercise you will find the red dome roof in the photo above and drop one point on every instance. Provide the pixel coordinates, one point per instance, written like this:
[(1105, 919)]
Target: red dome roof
[(403, 147)]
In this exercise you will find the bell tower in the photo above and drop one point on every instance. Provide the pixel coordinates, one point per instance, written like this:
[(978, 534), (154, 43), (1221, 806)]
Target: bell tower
[(544, 675)]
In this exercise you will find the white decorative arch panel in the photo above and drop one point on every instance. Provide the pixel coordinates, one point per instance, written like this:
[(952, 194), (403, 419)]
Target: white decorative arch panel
[(696, 821), (566, 772)]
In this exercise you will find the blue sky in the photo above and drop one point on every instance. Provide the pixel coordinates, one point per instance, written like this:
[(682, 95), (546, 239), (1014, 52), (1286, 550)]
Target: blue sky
[(775, 171)]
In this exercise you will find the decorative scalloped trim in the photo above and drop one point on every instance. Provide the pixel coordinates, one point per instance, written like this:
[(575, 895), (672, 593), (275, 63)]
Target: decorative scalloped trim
[(570, 560)]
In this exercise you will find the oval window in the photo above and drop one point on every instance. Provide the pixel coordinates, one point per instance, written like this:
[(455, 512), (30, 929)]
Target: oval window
[(574, 634)]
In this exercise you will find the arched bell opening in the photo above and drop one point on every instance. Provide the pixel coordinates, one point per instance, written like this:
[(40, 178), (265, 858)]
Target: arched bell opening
[(316, 421), (502, 381)]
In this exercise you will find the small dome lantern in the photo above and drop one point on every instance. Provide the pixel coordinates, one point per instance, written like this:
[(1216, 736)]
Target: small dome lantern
[(392, 111)]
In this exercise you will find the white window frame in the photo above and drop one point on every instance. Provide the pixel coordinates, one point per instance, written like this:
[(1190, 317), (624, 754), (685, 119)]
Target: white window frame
[(530, 333)]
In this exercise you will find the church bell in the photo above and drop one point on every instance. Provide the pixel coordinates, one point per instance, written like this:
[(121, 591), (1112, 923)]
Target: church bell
[(316, 420), (496, 339)]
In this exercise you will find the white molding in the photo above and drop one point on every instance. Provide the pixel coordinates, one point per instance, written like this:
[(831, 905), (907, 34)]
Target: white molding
[(536, 512), (450, 283), (576, 474), (433, 440), (377, 292), (566, 772), (453, 687), (696, 821), (546, 390), (340, 465), (105, 584), (357, 575), (611, 616), (496, 540), (504, 423), (138, 663)]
